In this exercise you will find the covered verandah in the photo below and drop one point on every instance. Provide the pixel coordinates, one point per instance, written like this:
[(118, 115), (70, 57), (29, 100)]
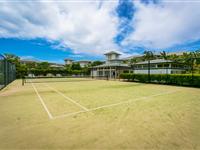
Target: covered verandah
[(109, 71)]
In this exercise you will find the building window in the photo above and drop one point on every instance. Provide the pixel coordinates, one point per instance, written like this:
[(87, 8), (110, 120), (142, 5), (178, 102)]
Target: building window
[(160, 65), (153, 66), (166, 65), (145, 66)]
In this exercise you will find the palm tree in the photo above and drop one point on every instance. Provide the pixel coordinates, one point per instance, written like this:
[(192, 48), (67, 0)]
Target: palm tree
[(174, 57), (12, 58), (190, 59), (187, 59), (194, 59), (197, 61), (148, 55), (164, 55), (197, 52)]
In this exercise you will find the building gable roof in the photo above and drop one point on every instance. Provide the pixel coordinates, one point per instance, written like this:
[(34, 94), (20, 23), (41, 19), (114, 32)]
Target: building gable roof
[(68, 59), (112, 65), (29, 61), (155, 61), (83, 61), (112, 52)]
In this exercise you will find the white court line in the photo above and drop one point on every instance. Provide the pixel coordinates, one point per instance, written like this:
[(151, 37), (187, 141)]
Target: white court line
[(68, 98), (42, 101), (129, 101), (70, 114), (115, 104)]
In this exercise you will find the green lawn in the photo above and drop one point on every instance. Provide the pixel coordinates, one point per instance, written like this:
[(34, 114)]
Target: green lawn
[(98, 114)]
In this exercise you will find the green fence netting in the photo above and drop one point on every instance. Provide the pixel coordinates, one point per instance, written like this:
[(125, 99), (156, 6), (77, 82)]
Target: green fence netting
[(7, 72)]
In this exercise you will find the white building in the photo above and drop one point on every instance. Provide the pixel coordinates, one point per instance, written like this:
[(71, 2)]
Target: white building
[(159, 66), (56, 66), (28, 61), (112, 67), (68, 61), (83, 63)]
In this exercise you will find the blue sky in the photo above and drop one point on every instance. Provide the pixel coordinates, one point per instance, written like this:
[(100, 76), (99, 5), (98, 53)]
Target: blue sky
[(85, 30)]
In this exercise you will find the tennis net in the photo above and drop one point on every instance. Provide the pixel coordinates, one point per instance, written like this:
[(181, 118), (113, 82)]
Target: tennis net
[(56, 79)]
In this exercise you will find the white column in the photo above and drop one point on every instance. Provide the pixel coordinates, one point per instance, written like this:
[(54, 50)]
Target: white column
[(110, 73), (115, 72)]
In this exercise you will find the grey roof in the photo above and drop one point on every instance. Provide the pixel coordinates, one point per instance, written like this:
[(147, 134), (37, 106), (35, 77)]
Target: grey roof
[(29, 60), (83, 61), (112, 52), (177, 53), (51, 63), (131, 57), (112, 65), (116, 60), (68, 59), (155, 61), (57, 66)]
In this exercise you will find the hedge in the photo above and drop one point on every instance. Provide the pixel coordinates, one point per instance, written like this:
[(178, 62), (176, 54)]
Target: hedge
[(63, 72), (172, 79)]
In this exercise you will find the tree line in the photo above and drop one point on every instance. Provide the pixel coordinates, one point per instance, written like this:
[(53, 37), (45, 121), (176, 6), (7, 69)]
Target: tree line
[(44, 68), (191, 59)]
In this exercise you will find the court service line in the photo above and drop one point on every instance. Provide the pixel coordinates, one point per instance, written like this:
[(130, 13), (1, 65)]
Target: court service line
[(68, 98), (70, 114), (42, 101), (129, 101), (112, 105)]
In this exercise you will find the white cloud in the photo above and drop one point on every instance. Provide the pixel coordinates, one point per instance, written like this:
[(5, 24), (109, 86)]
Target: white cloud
[(27, 57), (83, 26), (90, 26), (165, 25)]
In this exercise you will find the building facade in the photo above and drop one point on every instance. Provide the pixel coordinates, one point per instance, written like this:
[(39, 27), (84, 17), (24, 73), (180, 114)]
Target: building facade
[(29, 61), (83, 63), (68, 61), (112, 68), (159, 66)]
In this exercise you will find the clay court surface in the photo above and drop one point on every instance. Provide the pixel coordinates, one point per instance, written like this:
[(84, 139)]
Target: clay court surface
[(98, 114)]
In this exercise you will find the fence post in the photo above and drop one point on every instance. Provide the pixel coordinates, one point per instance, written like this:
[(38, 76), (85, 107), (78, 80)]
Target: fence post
[(192, 70), (149, 78), (5, 78)]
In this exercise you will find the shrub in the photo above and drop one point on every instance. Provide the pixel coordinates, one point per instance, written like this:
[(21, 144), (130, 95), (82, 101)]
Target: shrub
[(128, 76), (141, 77), (173, 79)]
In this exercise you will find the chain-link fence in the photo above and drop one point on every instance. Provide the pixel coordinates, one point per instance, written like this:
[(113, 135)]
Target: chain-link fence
[(7, 72)]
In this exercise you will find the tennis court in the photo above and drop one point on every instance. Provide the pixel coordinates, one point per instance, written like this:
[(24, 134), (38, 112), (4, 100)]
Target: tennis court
[(81, 95), (83, 113)]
